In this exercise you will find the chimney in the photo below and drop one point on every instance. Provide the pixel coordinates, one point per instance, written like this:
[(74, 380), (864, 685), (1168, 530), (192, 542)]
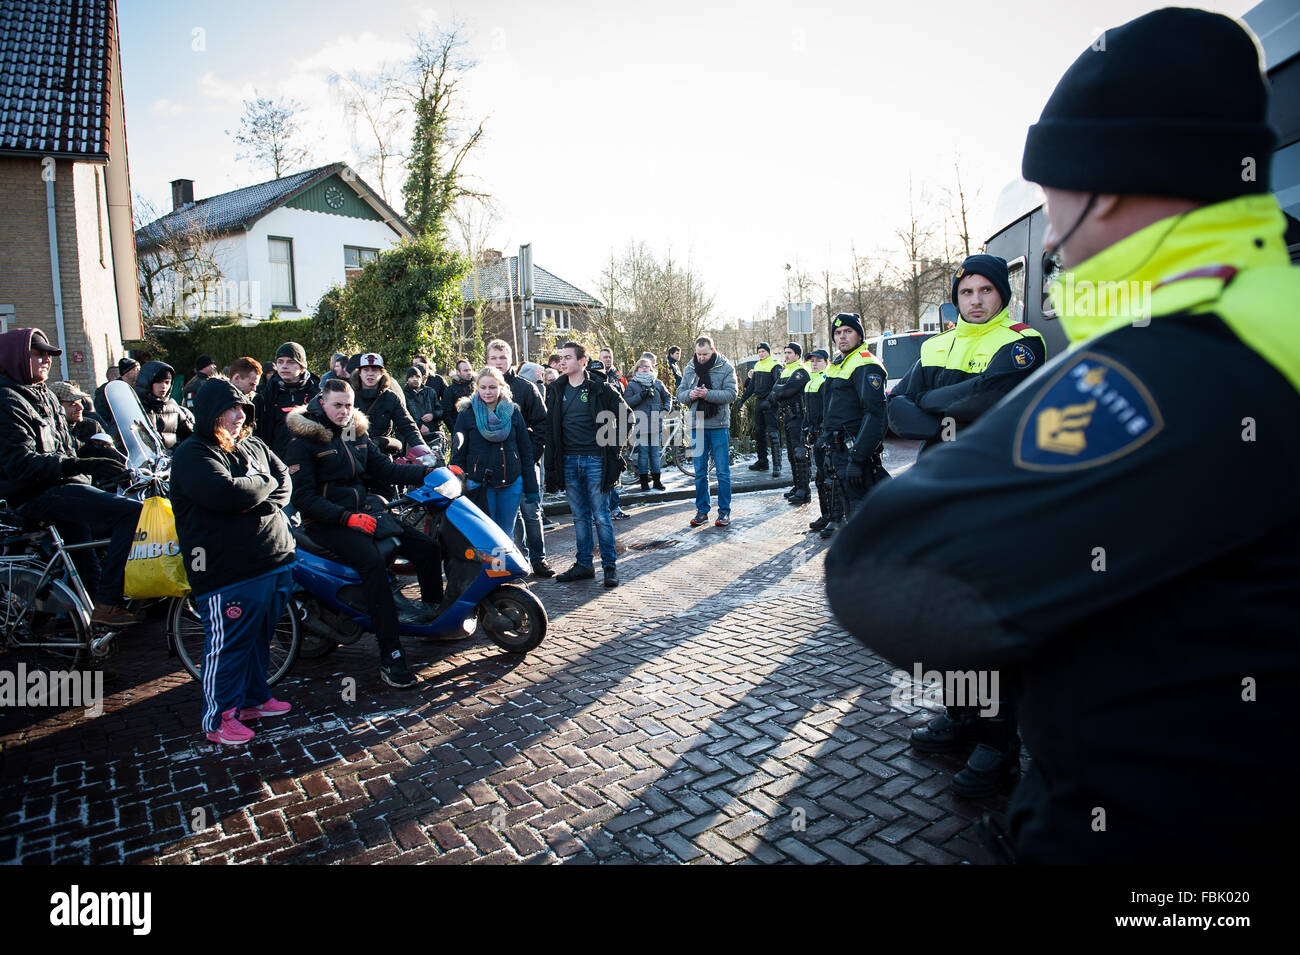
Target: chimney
[(490, 257), (182, 193)]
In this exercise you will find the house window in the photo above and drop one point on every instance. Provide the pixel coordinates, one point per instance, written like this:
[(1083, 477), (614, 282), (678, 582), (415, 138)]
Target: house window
[(355, 257), (281, 253), (6, 318)]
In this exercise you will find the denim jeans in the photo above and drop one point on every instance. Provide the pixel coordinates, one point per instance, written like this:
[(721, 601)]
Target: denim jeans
[(587, 503), (530, 516), (715, 441), (503, 504), (647, 459), (82, 513)]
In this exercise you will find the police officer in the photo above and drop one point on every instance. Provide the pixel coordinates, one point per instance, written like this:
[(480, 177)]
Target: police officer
[(812, 424), (788, 395), (853, 415), (963, 372), (766, 430), (1124, 529)]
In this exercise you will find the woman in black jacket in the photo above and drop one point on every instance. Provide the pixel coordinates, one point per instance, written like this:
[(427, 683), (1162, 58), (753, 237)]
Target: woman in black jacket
[(382, 403), (460, 385), (491, 442), (228, 489), (422, 402), (153, 387)]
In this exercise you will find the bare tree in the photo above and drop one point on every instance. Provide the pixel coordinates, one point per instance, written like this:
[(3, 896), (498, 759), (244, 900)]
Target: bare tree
[(374, 105), (959, 208), (180, 273), (269, 132)]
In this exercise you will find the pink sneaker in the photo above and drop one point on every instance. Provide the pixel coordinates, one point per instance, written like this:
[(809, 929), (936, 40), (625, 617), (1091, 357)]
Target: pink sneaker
[(231, 732), (272, 707)]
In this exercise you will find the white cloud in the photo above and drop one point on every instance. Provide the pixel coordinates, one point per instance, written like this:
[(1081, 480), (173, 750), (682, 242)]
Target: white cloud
[(214, 87), (165, 107)]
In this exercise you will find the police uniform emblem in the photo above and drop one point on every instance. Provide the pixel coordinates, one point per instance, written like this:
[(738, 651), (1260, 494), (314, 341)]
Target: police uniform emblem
[(875, 381), (1092, 412), (1021, 355)]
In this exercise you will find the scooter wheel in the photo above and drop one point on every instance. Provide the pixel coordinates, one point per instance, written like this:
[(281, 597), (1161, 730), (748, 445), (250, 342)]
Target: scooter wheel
[(513, 618)]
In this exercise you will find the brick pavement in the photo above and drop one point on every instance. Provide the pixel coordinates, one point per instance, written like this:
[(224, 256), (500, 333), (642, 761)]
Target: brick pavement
[(705, 711)]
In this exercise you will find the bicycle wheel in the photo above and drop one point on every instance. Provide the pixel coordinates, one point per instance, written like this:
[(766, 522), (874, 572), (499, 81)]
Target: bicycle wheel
[(48, 631), (186, 633), (681, 451)]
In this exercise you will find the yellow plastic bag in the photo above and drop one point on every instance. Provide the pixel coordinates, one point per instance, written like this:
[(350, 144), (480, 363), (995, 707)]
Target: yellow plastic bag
[(154, 565)]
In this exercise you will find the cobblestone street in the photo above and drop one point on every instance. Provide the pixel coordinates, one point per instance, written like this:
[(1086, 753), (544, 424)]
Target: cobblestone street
[(705, 711)]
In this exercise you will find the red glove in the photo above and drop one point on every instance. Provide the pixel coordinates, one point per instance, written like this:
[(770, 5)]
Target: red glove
[(457, 470), (362, 522)]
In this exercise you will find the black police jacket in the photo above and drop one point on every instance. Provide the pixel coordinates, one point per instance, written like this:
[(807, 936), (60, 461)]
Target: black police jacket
[(853, 402), (787, 391), (228, 504), (331, 468), (1124, 533)]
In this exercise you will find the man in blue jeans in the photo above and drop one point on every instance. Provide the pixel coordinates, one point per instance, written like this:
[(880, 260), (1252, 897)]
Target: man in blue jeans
[(585, 418), (708, 388)]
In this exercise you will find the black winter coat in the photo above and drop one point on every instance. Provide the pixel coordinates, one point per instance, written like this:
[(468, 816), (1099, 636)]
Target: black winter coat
[(34, 441), (533, 406), (451, 395), (391, 426), (172, 422), (608, 402), (420, 403), (228, 505), (274, 401), (330, 473), (492, 463)]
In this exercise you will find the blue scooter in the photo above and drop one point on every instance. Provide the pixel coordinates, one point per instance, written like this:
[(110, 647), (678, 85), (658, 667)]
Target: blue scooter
[(480, 562)]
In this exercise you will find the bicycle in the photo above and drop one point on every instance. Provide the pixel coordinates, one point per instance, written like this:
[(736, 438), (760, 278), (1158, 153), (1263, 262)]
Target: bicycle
[(44, 607)]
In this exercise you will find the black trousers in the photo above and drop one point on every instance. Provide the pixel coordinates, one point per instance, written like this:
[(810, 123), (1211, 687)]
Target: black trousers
[(359, 551), (844, 493), (795, 452), (767, 431), (823, 482), (81, 513)]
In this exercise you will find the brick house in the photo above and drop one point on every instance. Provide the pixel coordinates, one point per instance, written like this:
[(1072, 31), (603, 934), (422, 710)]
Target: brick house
[(67, 243), (492, 289), (274, 245)]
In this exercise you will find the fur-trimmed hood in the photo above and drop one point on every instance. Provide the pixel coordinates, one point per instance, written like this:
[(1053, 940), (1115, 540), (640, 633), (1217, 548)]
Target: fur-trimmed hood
[(309, 423)]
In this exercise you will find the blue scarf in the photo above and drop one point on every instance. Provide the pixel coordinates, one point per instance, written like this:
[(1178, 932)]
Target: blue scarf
[(493, 425)]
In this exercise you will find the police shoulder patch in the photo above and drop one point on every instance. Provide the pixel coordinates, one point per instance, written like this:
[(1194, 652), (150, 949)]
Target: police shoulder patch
[(875, 381), (1091, 412), (1022, 356)]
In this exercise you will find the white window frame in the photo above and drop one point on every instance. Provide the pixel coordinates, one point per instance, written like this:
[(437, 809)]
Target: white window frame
[(361, 251), (293, 285)]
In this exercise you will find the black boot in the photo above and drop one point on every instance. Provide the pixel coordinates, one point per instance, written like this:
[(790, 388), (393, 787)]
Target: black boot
[(943, 734), (657, 484), (759, 465), (820, 523), (801, 497), (645, 481), (987, 772)]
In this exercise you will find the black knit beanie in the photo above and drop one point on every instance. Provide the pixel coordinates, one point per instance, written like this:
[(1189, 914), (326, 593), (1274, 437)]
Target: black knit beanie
[(292, 350), (764, 346), (1170, 104), (795, 347), (992, 267), (851, 319)]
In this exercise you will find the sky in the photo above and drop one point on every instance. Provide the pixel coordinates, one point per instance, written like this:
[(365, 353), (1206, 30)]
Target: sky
[(741, 136)]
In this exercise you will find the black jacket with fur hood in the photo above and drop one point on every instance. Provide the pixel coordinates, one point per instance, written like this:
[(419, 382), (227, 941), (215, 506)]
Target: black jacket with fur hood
[(331, 466)]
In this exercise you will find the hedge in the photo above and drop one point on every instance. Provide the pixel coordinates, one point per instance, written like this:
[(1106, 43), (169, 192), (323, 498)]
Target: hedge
[(225, 343)]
